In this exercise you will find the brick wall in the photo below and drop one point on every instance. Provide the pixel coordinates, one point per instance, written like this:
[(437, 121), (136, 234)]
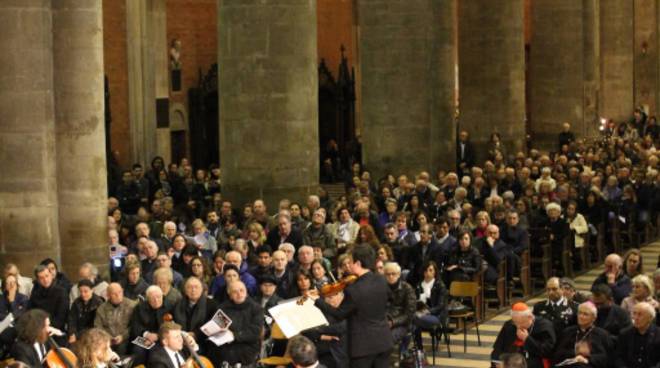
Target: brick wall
[(115, 64), (194, 22)]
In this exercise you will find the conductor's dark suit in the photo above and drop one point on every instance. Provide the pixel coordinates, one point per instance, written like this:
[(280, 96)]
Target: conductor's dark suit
[(364, 306)]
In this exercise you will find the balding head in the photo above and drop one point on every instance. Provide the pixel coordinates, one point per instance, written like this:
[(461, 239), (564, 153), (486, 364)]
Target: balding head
[(613, 263), (553, 288), (234, 258), (115, 293)]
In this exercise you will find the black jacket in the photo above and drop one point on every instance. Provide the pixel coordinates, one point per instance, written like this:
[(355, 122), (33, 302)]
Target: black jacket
[(134, 292), (418, 258), (54, 300), (516, 237), (613, 319), (274, 240), (562, 315), (24, 352), (192, 319), (364, 306), (247, 321), (401, 304), (620, 289), (538, 346), (598, 339), (82, 315), (638, 351), (437, 303), (158, 358), (146, 318), (468, 262)]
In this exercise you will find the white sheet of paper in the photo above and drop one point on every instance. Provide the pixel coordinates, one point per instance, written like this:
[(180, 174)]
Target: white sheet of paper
[(6, 322), (224, 337), (293, 318)]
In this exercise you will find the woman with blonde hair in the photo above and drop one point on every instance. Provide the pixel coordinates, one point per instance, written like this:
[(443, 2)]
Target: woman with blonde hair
[(93, 349), (643, 290), (482, 220), (255, 237)]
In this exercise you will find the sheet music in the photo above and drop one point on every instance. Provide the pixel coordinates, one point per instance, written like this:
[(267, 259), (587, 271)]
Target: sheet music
[(293, 318), (6, 322)]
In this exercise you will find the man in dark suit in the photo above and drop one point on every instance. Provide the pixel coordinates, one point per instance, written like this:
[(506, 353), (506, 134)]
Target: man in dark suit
[(30, 346), (464, 153), (147, 319), (170, 353), (195, 308), (421, 253), (284, 233), (493, 250), (364, 306)]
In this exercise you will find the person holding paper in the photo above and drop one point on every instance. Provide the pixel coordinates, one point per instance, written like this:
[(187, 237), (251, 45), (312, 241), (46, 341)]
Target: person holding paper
[(194, 309), (364, 307), (247, 319)]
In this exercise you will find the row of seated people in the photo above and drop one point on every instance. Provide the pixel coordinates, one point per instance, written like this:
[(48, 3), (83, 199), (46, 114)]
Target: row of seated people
[(613, 326)]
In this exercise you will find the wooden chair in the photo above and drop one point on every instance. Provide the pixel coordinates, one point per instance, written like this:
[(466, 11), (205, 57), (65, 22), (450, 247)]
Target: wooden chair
[(500, 287), (525, 274), (616, 235), (600, 243), (567, 256), (584, 253), (466, 289)]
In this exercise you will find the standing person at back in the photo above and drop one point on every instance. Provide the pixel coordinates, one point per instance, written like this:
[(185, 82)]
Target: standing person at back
[(364, 306)]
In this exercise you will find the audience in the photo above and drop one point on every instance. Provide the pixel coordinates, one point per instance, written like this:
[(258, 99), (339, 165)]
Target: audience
[(190, 250)]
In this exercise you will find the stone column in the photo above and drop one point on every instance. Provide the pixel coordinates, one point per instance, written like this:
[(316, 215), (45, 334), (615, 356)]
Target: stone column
[(141, 83), (492, 72), (556, 71), (268, 87), (645, 51), (79, 122), (407, 60), (28, 183), (617, 82), (591, 67)]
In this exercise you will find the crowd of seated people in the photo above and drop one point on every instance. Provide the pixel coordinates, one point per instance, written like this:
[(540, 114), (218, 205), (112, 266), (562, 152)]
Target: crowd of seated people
[(177, 247)]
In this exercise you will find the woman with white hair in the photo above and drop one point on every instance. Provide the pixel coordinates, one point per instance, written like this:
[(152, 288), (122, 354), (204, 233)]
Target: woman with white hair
[(643, 290), (585, 344), (559, 230)]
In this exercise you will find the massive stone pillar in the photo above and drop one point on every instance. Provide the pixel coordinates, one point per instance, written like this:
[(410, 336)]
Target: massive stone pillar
[(268, 87), (80, 129), (492, 72), (563, 79), (616, 48), (407, 60), (646, 54), (141, 80), (28, 185)]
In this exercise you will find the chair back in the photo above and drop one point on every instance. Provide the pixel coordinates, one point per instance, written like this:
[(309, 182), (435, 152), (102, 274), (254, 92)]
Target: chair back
[(463, 289)]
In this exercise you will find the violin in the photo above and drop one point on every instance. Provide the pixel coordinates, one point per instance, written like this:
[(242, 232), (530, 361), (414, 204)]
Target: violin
[(332, 288), (197, 360), (59, 357)]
